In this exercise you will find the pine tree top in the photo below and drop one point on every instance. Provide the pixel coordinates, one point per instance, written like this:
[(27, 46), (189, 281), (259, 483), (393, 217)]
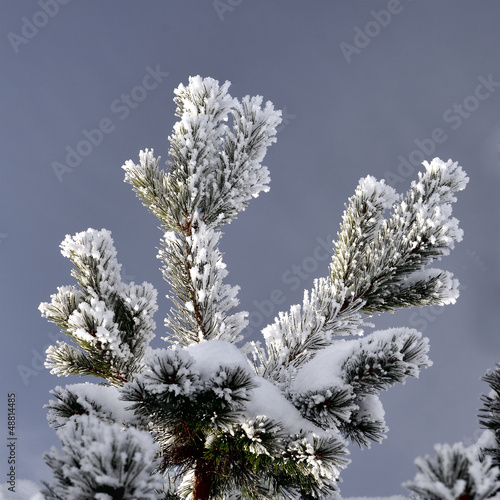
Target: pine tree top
[(270, 419)]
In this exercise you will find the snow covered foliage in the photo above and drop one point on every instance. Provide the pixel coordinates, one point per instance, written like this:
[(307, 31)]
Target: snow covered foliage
[(379, 264), (489, 416), (114, 464), (101, 401), (197, 281), (267, 420), (456, 472), (109, 322), (339, 386), (461, 472)]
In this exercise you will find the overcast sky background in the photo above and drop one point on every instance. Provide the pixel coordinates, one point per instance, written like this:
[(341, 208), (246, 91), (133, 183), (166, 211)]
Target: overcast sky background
[(347, 113)]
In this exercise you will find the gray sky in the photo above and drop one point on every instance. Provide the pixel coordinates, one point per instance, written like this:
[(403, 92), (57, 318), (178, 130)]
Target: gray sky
[(359, 82)]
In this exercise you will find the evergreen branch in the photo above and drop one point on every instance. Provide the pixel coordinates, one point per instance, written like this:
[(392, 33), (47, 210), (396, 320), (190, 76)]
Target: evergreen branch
[(455, 472), (363, 430), (202, 107), (115, 463), (195, 271), (213, 172), (238, 175), (100, 401), (216, 429), (384, 359), (66, 406), (109, 322), (360, 224), (151, 187), (489, 413), (327, 408), (334, 388), (419, 231), (181, 408), (65, 360), (378, 265), (296, 336)]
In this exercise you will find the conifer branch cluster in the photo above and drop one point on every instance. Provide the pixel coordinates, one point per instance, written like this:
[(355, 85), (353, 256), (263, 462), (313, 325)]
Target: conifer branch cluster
[(466, 472), (203, 418)]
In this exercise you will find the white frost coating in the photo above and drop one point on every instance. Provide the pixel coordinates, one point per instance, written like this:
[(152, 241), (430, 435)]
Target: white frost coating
[(214, 301), (97, 245), (446, 289), (203, 107), (325, 370), (398, 337), (112, 459), (486, 440), (93, 323), (450, 173), (316, 321), (369, 187), (440, 477), (173, 361), (146, 158), (266, 399), (88, 312), (221, 165), (432, 196), (106, 397), (70, 292)]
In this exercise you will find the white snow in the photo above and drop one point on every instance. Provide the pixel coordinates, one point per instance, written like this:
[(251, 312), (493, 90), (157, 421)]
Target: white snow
[(269, 401), (211, 354), (324, 370), (266, 399), (107, 397), (371, 407)]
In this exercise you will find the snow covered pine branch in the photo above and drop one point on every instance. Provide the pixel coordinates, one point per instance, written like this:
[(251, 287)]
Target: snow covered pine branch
[(202, 418), (466, 472)]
